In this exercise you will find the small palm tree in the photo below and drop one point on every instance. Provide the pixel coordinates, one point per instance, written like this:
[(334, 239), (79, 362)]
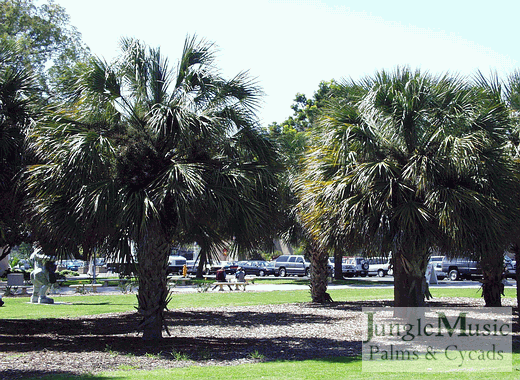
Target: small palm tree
[(176, 154)]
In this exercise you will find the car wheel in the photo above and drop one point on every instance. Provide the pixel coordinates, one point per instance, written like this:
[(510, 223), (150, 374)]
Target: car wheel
[(283, 272), (261, 273), (364, 274), (365, 266), (381, 273), (307, 272), (454, 275)]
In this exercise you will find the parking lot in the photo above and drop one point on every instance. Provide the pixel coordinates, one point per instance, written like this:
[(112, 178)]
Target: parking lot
[(465, 283)]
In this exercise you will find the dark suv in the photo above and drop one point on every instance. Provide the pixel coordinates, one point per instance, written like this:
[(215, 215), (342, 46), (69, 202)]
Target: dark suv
[(456, 269), (292, 265)]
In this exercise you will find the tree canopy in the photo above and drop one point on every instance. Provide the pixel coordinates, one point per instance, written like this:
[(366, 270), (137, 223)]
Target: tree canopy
[(151, 156), (47, 42)]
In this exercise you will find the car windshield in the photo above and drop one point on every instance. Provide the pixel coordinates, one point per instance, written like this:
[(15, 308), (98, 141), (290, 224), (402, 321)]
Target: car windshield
[(349, 261)]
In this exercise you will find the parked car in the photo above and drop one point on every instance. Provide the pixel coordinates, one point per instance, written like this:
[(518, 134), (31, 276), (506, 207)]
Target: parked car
[(214, 267), (437, 266), (231, 267), (23, 264), (354, 266), (175, 264), (379, 266), (192, 266), (330, 264), (292, 265), (457, 269), (257, 268), (509, 267), (271, 267), (73, 265)]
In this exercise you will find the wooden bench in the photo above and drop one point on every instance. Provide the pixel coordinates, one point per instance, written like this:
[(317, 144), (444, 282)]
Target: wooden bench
[(14, 288), (82, 288), (230, 285), (16, 281)]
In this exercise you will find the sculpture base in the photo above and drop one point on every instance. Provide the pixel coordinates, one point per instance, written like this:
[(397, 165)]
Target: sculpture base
[(45, 300)]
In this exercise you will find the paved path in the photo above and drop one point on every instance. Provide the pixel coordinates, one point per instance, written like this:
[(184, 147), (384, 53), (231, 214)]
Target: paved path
[(266, 287)]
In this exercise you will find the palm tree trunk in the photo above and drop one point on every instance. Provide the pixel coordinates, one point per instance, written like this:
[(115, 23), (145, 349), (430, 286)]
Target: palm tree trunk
[(517, 258), (319, 274), (152, 254), (492, 285), (515, 248), (203, 259), (409, 283), (338, 270)]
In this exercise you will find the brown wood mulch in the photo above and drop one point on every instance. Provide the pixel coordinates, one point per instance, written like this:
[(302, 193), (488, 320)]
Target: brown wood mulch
[(199, 336)]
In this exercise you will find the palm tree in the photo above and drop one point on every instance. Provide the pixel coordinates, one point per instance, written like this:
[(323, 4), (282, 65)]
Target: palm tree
[(512, 147), (409, 174), (17, 107), (182, 151), (496, 183)]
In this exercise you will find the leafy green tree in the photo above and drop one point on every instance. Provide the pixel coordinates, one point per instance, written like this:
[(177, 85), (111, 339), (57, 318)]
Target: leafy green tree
[(38, 47), (180, 155), (47, 41), (295, 135)]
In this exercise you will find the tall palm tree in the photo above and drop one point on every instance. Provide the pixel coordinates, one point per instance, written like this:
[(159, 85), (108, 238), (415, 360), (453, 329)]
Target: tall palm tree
[(182, 150), (408, 174)]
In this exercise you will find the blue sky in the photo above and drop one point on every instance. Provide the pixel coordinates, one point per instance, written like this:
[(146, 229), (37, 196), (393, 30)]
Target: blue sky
[(290, 46)]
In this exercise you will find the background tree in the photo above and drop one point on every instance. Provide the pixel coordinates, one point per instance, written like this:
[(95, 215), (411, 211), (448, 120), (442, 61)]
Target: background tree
[(38, 51), (48, 43), (295, 137)]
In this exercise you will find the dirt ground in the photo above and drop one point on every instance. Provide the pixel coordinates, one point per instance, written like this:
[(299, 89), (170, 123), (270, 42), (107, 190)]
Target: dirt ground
[(199, 336)]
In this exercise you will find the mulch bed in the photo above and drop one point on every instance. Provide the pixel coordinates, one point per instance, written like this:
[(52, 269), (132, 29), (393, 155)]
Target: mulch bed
[(199, 336)]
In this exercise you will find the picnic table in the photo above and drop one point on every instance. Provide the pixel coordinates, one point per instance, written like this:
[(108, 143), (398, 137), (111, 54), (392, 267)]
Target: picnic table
[(230, 285)]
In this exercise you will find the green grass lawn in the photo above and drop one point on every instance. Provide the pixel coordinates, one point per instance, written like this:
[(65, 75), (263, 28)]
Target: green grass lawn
[(330, 368), (76, 306)]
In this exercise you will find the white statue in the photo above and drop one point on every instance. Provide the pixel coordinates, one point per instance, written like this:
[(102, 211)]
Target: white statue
[(42, 276)]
